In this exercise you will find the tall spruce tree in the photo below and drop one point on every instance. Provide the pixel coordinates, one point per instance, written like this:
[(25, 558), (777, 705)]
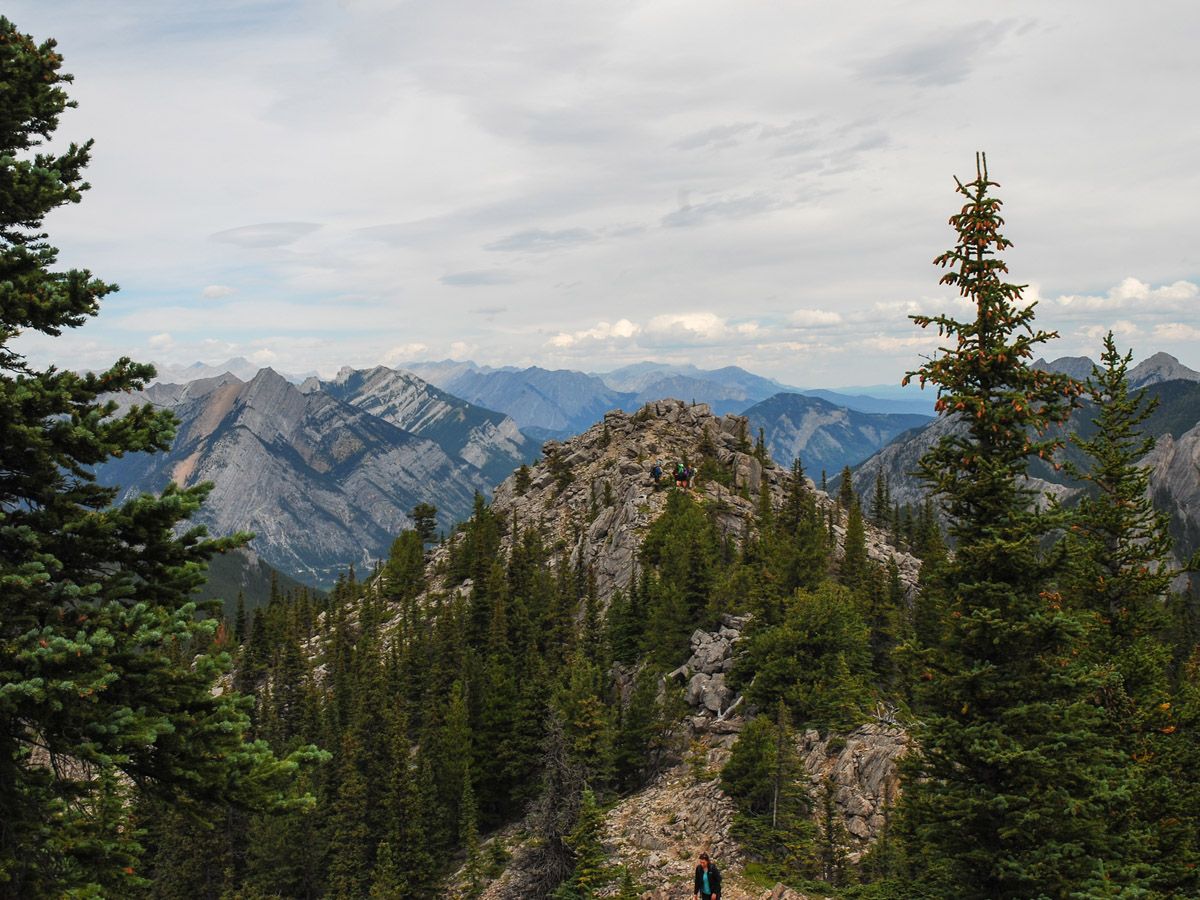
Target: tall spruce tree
[(1015, 771), (97, 598)]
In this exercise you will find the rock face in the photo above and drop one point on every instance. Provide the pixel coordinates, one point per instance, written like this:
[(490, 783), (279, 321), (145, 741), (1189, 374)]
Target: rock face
[(320, 482), (1175, 485), (489, 441), (825, 437), (861, 766), (1159, 368)]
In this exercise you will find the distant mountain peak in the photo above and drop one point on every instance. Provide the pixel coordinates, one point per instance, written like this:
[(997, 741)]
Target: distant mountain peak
[(1161, 367)]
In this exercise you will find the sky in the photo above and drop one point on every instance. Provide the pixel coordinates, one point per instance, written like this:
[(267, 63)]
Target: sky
[(320, 183)]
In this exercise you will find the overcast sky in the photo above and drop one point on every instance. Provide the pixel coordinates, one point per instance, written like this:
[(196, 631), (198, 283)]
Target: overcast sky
[(318, 183)]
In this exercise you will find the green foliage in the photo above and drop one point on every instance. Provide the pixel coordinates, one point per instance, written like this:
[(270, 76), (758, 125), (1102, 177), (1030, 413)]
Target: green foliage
[(107, 669), (1009, 738), (521, 480), (591, 870), (681, 554), (854, 567), (1119, 575), (765, 777), (816, 660)]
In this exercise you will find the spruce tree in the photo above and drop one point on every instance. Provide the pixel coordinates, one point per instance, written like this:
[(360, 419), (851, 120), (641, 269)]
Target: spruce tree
[(855, 564), (1012, 780), (591, 870), (1119, 572), (102, 682)]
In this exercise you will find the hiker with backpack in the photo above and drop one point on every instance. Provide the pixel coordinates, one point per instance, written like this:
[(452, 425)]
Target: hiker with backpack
[(680, 475), (656, 472)]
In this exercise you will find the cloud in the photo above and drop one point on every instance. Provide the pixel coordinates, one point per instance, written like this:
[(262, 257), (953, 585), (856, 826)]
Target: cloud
[(690, 214), (489, 311), (478, 278), (216, 291), (940, 58), (814, 318), (716, 137), (404, 353), (421, 135), (689, 327), (266, 234), (1176, 331), (1131, 293), (623, 328), (539, 240), (160, 341)]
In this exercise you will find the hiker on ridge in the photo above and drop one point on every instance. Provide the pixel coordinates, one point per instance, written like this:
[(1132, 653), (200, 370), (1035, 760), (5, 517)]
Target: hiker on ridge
[(708, 880)]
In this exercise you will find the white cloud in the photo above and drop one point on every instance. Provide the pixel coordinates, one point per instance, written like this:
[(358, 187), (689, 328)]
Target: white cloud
[(814, 318), (1131, 293), (161, 341), (622, 328), (405, 353), (216, 291), (458, 141), (704, 326), (1176, 331)]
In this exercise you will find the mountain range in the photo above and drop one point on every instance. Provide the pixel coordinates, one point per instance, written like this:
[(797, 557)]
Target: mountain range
[(326, 472), (321, 482), (1174, 462), (825, 437)]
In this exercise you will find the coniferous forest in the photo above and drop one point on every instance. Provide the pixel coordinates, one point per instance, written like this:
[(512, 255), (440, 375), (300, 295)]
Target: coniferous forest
[(477, 701)]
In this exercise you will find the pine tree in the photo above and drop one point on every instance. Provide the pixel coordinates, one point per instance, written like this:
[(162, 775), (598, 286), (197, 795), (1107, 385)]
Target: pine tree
[(591, 870), (349, 860), (468, 837), (855, 565), (424, 516), (1119, 572), (881, 503), (846, 497), (97, 596), (1009, 738)]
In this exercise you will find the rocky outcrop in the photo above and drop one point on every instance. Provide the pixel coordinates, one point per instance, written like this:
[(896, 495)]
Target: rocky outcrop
[(862, 769), (594, 497), (1175, 486)]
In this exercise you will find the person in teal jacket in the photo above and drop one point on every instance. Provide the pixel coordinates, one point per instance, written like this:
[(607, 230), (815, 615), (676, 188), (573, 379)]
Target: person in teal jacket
[(708, 880)]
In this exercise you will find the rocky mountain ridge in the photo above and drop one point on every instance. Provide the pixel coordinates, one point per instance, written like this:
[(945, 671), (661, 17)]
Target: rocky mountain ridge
[(488, 440), (320, 482), (594, 496), (825, 436)]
